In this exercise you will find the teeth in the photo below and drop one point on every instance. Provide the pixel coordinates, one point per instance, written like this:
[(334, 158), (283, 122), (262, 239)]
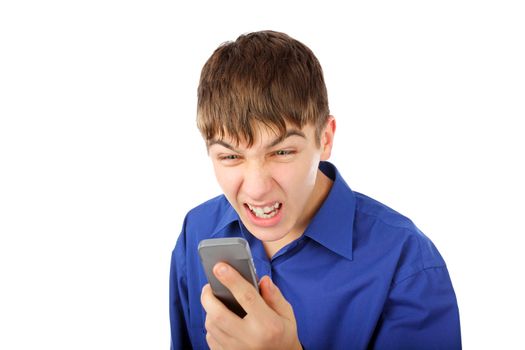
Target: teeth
[(265, 212)]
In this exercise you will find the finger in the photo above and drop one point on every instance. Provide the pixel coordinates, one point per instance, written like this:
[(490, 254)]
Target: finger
[(216, 338), (213, 344), (218, 316), (207, 298), (210, 302), (274, 298), (216, 342), (242, 290)]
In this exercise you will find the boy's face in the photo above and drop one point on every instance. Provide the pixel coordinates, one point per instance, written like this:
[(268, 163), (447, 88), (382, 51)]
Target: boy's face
[(273, 185)]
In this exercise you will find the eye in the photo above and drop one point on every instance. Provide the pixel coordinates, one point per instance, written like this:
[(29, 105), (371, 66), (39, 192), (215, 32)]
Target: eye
[(229, 157), (284, 153)]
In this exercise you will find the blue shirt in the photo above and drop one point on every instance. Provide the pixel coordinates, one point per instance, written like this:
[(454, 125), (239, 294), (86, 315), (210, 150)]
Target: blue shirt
[(362, 276)]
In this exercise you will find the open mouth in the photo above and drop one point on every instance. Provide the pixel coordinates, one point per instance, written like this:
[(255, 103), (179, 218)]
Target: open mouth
[(266, 212)]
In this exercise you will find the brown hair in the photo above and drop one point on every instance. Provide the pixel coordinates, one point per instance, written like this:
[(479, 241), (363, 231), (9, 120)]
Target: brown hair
[(263, 77)]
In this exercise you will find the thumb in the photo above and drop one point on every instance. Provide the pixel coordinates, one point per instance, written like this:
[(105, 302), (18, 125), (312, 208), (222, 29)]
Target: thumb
[(274, 299)]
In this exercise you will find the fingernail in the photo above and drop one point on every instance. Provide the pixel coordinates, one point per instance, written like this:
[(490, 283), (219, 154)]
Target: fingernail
[(222, 270)]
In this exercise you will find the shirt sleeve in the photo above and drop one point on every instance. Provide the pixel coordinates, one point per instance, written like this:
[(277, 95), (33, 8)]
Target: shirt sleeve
[(420, 312), (178, 298)]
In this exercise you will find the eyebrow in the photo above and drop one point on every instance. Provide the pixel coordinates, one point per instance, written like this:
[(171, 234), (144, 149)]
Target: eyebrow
[(292, 132), (289, 133)]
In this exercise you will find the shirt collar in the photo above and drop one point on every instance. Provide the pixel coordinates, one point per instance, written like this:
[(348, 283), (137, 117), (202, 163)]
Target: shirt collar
[(332, 225), (223, 227)]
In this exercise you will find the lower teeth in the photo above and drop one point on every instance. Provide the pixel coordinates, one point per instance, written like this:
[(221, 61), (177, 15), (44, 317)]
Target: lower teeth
[(266, 216)]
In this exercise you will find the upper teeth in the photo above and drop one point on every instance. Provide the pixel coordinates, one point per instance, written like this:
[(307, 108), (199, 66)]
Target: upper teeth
[(263, 210)]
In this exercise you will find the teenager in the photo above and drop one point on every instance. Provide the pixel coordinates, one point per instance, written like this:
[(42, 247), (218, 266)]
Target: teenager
[(338, 269)]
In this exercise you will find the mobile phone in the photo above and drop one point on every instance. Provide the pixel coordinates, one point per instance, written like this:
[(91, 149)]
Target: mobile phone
[(236, 253)]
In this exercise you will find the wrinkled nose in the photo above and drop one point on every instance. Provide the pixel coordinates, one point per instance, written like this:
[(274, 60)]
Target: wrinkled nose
[(257, 183)]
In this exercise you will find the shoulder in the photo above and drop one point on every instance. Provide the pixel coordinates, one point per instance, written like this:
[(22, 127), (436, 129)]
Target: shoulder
[(204, 220), (208, 218), (200, 223), (208, 215), (396, 237), (374, 210)]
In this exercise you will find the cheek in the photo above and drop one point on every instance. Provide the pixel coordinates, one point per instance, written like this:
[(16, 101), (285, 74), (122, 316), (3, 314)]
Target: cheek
[(298, 179), (229, 180), (308, 169)]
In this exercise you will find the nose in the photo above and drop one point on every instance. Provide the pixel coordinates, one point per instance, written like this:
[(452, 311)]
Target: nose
[(257, 182)]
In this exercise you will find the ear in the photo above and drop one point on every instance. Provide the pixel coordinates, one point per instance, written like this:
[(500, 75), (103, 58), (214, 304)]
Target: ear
[(327, 138)]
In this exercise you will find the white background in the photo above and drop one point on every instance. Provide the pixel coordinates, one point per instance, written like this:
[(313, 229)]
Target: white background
[(100, 158)]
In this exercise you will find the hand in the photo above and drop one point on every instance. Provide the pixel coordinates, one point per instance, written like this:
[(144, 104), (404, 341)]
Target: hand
[(269, 322)]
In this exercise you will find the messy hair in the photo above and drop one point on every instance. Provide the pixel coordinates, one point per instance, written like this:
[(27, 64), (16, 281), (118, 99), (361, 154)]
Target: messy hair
[(263, 78)]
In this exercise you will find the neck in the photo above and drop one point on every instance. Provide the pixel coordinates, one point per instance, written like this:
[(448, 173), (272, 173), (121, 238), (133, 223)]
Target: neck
[(322, 187)]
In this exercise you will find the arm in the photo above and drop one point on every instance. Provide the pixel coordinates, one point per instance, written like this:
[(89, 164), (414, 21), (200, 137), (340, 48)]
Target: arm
[(421, 312), (178, 298)]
